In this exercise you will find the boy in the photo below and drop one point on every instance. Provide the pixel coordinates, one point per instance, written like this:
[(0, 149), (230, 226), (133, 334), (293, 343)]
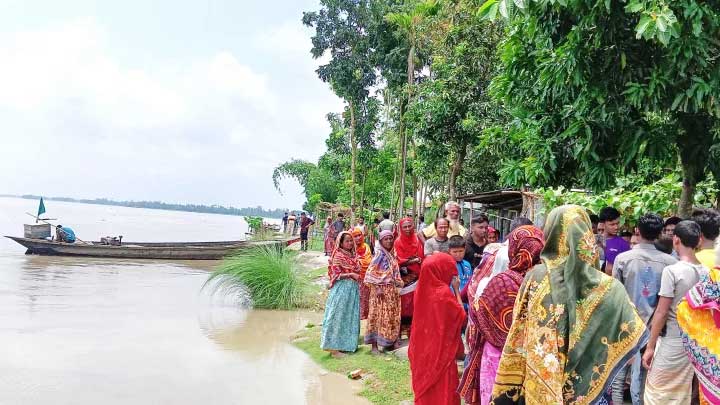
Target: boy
[(456, 249), (440, 242), (614, 244), (709, 221)]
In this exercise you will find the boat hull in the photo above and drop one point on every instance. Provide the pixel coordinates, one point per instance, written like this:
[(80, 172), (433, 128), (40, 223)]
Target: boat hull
[(140, 250)]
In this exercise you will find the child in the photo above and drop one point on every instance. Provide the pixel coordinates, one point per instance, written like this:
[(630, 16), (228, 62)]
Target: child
[(456, 249), (614, 244)]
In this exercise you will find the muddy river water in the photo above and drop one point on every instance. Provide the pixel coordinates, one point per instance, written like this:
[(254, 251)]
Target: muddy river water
[(94, 331)]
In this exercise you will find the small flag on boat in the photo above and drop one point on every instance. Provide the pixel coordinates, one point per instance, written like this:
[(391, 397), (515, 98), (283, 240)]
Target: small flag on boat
[(41, 209)]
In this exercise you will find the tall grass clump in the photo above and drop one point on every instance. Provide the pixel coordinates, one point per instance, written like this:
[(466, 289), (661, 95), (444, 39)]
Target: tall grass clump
[(269, 274)]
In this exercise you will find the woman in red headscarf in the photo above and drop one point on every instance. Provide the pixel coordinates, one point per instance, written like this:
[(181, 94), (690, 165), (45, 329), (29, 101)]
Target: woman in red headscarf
[(410, 252), (435, 342), (365, 256)]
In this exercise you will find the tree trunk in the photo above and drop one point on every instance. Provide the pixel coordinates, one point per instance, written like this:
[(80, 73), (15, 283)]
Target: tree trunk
[(455, 171), (415, 195), (403, 161), (353, 161), (362, 195), (694, 142)]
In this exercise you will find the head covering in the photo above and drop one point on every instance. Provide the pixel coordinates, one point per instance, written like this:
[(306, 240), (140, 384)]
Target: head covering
[(437, 321), (383, 269), (525, 244), (360, 248), (342, 261), (407, 246), (573, 326), (384, 234)]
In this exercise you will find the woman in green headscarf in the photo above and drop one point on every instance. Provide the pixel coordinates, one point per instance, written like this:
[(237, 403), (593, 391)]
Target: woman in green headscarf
[(573, 326)]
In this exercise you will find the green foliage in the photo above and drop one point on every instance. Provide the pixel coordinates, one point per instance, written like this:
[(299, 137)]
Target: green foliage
[(270, 275)]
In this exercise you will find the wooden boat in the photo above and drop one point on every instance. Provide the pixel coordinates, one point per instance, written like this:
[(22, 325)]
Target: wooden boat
[(144, 250)]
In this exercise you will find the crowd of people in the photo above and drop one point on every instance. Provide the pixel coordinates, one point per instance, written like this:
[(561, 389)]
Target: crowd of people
[(566, 314)]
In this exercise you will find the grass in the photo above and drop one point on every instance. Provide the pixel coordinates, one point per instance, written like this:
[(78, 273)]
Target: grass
[(270, 276), (386, 377)]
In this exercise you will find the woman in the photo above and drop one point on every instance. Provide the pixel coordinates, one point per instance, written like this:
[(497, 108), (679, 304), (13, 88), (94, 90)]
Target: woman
[(573, 326), (341, 323), (364, 256), (409, 251), (329, 237), (699, 318), (383, 280), (491, 314), (435, 342)]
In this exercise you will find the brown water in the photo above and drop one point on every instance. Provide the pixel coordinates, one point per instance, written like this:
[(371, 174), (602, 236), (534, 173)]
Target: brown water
[(93, 331)]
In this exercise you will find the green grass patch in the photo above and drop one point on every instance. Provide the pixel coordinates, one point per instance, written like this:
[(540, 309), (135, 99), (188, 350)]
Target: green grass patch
[(317, 273), (386, 377)]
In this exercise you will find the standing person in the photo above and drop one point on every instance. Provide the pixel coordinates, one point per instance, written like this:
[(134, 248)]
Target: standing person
[(709, 221), (410, 253), (439, 242), (477, 239), (291, 223), (305, 224), (595, 220), (329, 236), (456, 249), (339, 224), (614, 244), (383, 279), (361, 225), (640, 270), (365, 256), (386, 224), (573, 327), (698, 316), (452, 214), (421, 224), (493, 235), (435, 340), (669, 379), (341, 322), (670, 224), (285, 222), (491, 313)]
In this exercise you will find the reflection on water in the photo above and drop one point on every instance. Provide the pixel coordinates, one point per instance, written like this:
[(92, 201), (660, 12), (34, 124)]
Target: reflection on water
[(94, 331)]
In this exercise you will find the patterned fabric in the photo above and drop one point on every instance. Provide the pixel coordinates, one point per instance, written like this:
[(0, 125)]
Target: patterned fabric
[(669, 380), (341, 323), (491, 310), (383, 269), (699, 318), (329, 238), (341, 261), (364, 257), (488, 370), (383, 324), (573, 326)]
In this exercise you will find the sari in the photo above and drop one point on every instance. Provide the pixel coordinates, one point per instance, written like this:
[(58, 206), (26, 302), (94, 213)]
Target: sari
[(329, 238), (491, 314), (573, 327), (407, 246), (699, 318), (435, 339), (341, 322), (364, 256), (383, 279)]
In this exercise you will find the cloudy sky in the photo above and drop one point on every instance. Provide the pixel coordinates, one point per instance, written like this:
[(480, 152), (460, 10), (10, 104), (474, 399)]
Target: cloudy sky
[(173, 100)]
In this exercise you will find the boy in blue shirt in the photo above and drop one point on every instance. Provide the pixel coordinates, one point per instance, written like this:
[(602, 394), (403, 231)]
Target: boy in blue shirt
[(456, 249)]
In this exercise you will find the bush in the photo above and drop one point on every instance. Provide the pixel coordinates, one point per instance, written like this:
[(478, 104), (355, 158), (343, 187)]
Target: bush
[(271, 276)]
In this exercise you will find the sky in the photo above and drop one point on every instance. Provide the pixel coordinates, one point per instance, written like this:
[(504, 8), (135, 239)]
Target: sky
[(178, 101)]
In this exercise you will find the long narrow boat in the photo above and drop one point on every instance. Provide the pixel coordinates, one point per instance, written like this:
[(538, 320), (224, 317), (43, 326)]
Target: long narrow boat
[(144, 250)]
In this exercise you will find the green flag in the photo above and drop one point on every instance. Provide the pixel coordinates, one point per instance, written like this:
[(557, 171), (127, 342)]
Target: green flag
[(41, 209)]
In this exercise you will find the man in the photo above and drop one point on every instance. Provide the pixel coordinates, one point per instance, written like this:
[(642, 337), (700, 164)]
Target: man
[(670, 374), (476, 242), (285, 221), (386, 224), (709, 221), (452, 214), (670, 224), (640, 270), (291, 223), (594, 220), (361, 225), (339, 224), (305, 223), (439, 242), (64, 234), (421, 223), (614, 244)]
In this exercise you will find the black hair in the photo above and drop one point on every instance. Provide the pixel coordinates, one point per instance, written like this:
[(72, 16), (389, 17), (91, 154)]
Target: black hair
[(386, 215), (689, 233), (340, 215), (438, 219), (650, 226), (342, 238), (672, 221), (456, 241), (422, 218), (709, 221), (479, 219), (376, 221), (626, 234), (518, 222), (609, 214), (594, 219), (664, 244)]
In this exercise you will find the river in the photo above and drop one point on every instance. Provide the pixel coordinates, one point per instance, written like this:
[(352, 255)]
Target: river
[(90, 331)]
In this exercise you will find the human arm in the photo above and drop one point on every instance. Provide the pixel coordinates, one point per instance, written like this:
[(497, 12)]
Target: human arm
[(658, 322), (456, 289)]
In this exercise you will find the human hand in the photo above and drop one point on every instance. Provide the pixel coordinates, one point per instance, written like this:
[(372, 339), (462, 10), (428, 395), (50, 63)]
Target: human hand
[(647, 358), (456, 284)]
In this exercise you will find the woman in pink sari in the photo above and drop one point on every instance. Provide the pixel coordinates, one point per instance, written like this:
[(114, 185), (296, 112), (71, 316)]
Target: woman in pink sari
[(329, 237)]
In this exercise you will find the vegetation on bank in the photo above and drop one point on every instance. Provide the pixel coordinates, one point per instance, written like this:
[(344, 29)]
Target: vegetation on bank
[(386, 378)]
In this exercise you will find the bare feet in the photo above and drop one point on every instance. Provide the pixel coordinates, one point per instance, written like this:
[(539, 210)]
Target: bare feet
[(338, 355), (375, 351)]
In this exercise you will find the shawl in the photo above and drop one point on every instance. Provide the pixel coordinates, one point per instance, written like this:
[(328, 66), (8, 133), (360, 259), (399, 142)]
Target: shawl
[(437, 321), (362, 250), (407, 246), (573, 327), (384, 269), (699, 318), (341, 261)]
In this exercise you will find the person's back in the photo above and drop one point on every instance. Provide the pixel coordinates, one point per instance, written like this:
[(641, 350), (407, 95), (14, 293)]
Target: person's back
[(68, 235), (386, 224)]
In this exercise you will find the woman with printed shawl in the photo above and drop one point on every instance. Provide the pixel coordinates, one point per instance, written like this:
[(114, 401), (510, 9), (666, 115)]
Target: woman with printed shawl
[(329, 237), (435, 342), (410, 251), (364, 256), (699, 318), (383, 280), (491, 314), (573, 326), (341, 323)]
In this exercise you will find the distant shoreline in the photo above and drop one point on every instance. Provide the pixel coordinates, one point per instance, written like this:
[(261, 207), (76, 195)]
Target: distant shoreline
[(158, 205)]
